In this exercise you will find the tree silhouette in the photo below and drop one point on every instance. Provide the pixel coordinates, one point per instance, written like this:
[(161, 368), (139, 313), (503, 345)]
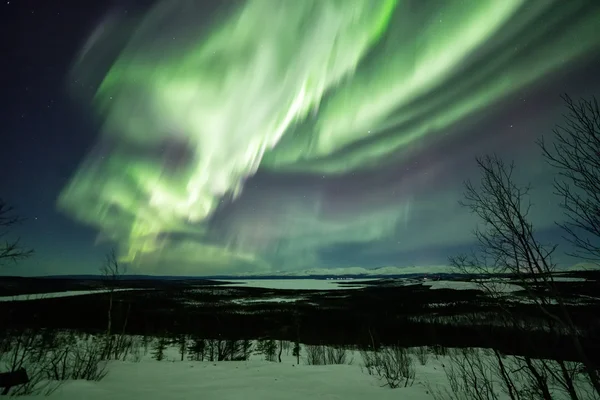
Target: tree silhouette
[(575, 154), (507, 244), (10, 250)]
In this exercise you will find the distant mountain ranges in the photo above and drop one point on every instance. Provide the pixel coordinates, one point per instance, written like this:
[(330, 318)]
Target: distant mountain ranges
[(437, 272), (315, 273)]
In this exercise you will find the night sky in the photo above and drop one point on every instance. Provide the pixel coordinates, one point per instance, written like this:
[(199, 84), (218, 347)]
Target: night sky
[(208, 137)]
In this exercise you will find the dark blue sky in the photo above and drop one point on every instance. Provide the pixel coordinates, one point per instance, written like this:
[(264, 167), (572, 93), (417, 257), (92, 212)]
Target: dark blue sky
[(44, 133)]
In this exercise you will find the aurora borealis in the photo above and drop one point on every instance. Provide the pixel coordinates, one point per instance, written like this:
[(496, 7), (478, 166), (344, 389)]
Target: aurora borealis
[(269, 135)]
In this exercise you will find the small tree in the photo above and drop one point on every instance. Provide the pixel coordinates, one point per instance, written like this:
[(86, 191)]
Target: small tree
[(197, 349), (158, 349), (112, 271), (237, 350), (246, 348), (315, 354), (211, 349), (267, 347), (297, 347), (391, 364), (10, 250), (280, 350), (182, 344), (296, 352), (336, 355), (422, 353), (223, 349)]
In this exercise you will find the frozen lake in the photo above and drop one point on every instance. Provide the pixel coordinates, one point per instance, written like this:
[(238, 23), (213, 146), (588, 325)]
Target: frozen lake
[(290, 284), (69, 293), (298, 284)]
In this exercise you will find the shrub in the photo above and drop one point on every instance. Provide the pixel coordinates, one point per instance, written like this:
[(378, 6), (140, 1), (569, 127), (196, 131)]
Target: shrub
[(422, 354), (267, 347), (51, 357), (391, 364), (336, 355), (315, 354)]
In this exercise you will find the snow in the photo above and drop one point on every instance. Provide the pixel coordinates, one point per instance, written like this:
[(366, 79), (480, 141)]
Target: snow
[(461, 285), (568, 279), (268, 300), (290, 284), (248, 380), (295, 284), (228, 380), (254, 379), (69, 293), (308, 284), (390, 270)]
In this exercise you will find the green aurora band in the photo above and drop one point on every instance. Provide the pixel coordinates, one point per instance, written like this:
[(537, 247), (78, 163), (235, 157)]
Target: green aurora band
[(310, 86)]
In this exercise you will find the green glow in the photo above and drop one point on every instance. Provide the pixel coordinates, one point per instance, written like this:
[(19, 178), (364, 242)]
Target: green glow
[(309, 86), (407, 78)]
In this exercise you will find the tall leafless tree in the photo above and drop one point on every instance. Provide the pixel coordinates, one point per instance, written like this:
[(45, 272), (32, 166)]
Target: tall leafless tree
[(507, 244), (506, 240), (10, 250), (575, 154), (112, 271)]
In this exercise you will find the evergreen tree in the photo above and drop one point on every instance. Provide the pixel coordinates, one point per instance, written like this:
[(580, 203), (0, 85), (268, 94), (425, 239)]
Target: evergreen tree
[(158, 349), (267, 347), (182, 344)]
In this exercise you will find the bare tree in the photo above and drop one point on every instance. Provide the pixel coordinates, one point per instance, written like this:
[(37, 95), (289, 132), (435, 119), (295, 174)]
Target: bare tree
[(268, 347), (10, 250), (575, 154), (507, 243), (280, 350), (391, 364), (113, 271)]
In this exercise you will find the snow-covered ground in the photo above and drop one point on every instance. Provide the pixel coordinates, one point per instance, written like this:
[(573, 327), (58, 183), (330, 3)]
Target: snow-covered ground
[(233, 380), (254, 379), (460, 285), (257, 379)]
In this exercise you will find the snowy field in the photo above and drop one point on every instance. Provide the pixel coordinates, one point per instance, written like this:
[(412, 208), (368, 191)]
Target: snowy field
[(256, 379), (235, 380)]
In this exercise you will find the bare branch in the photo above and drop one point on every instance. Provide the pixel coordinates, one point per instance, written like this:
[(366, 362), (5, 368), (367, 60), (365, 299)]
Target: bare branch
[(112, 269), (507, 244), (10, 250), (575, 154)]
